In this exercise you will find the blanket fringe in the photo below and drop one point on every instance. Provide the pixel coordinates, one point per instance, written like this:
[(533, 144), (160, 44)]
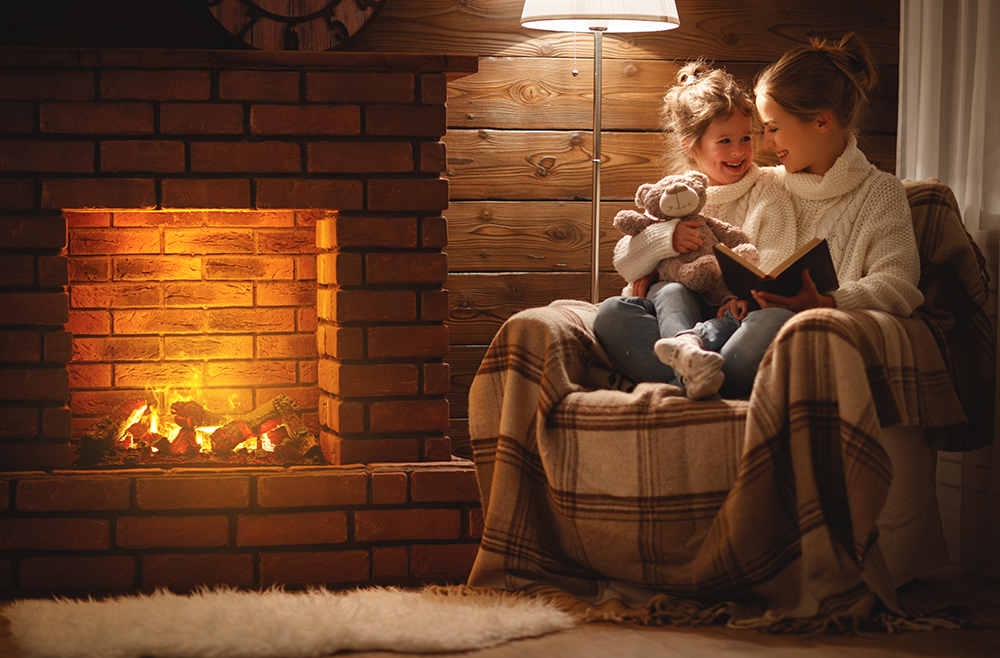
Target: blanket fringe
[(667, 610)]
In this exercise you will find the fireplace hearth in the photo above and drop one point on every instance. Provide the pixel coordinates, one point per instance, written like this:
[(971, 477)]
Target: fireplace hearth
[(258, 225)]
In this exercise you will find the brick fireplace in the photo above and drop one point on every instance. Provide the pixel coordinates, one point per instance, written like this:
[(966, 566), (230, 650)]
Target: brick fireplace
[(251, 224)]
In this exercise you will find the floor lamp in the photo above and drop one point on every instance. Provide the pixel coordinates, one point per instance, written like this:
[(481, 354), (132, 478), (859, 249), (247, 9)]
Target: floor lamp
[(599, 16)]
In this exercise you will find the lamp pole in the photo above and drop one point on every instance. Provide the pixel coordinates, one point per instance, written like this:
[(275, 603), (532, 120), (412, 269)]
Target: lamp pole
[(595, 231)]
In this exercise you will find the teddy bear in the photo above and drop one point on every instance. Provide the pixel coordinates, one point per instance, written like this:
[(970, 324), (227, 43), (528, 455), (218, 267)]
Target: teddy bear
[(682, 197)]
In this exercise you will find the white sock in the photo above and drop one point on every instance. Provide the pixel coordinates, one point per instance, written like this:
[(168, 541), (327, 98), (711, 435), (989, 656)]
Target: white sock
[(699, 370)]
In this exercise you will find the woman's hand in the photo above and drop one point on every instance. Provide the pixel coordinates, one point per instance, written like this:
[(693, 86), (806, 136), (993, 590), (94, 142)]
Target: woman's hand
[(686, 236), (807, 297), (640, 287), (736, 307)]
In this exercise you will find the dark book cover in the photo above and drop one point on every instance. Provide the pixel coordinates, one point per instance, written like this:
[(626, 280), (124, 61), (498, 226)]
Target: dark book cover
[(742, 276)]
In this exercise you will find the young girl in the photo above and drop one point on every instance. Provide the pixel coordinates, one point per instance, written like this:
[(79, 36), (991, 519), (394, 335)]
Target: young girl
[(812, 103), (708, 123)]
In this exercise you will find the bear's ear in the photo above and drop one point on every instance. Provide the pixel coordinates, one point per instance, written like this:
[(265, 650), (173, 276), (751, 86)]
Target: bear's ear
[(697, 179), (641, 194)]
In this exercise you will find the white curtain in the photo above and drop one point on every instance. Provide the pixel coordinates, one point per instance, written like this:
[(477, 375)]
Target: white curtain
[(949, 128)]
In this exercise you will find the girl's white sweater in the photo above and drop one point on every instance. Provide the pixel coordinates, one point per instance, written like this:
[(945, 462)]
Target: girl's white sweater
[(865, 217), (746, 204)]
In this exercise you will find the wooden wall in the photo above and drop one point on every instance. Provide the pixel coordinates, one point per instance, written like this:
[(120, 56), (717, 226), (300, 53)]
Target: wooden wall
[(520, 130)]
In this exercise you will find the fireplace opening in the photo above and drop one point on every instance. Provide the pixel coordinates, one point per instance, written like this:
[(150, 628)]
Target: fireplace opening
[(194, 337)]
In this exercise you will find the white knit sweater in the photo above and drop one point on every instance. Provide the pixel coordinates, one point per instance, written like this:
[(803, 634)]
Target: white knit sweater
[(746, 204), (865, 217)]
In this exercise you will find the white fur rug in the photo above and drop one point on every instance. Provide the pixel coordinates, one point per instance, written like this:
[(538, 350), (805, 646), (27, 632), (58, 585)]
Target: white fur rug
[(223, 623)]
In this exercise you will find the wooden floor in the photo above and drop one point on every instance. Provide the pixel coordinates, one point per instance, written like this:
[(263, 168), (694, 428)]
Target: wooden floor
[(942, 587)]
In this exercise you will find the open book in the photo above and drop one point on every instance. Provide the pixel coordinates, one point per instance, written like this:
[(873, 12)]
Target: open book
[(742, 276)]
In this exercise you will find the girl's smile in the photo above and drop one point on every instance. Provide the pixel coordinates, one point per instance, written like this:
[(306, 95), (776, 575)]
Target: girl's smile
[(725, 152)]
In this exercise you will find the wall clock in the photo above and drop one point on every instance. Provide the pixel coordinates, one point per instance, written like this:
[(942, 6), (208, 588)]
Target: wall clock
[(295, 24)]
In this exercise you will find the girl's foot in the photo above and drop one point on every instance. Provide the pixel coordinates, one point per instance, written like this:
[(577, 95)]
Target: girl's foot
[(699, 370)]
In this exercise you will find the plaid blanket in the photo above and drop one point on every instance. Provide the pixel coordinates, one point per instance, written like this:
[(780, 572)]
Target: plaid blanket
[(652, 507)]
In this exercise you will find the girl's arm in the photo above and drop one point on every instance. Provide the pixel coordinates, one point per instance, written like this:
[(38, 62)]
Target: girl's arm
[(637, 255)]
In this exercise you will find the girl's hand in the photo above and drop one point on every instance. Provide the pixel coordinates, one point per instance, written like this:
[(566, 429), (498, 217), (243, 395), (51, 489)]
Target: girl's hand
[(737, 308), (640, 287), (807, 297), (686, 236)]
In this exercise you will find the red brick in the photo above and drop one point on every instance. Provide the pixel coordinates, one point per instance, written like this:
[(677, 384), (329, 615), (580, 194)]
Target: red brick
[(390, 562), (172, 531), (57, 423), (20, 347), (208, 241), (355, 231), (447, 560), (434, 305), (89, 269), (367, 305), (369, 380), (305, 268), (205, 193), (37, 84), (48, 232), (291, 528), (309, 193), (89, 375), (361, 87), (296, 293), (54, 534), (359, 157), (342, 415), (447, 485), (114, 241), (18, 423), (36, 456), (245, 157), (299, 241), (255, 373), (344, 343), (62, 494), (48, 384), (437, 449), (305, 120), (78, 219), (437, 379), (434, 88), (389, 487), (242, 268), (149, 155), (314, 568), (53, 271), (152, 84), (17, 194), (409, 416), (204, 294), (208, 347), (17, 270), (476, 522), (58, 573), (157, 321), (78, 193), (337, 268), (115, 348), (263, 320), (433, 157), (197, 570), (6, 575), (38, 156), (388, 268), (185, 492), (122, 295), (307, 319), (339, 450), (157, 268), (4, 495), (407, 194), (201, 119), (320, 490), (297, 346), (165, 375), (407, 524), (428, 121), (308, 372), (89, 322), (274, 86), (35, 308), (97, 118)]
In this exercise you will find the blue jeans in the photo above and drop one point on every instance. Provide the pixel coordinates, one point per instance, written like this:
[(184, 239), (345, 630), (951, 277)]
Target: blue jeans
[(628, 327)]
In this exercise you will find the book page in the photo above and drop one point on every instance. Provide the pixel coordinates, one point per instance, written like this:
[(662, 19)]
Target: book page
[(799, 253)]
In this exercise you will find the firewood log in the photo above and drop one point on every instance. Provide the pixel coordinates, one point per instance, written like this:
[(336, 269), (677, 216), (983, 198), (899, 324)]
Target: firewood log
[(245, 427), (185, 443), (191, 415), (100, 438)]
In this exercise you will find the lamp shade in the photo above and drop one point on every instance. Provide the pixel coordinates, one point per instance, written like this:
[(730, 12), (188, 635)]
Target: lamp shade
[(612, 15)]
